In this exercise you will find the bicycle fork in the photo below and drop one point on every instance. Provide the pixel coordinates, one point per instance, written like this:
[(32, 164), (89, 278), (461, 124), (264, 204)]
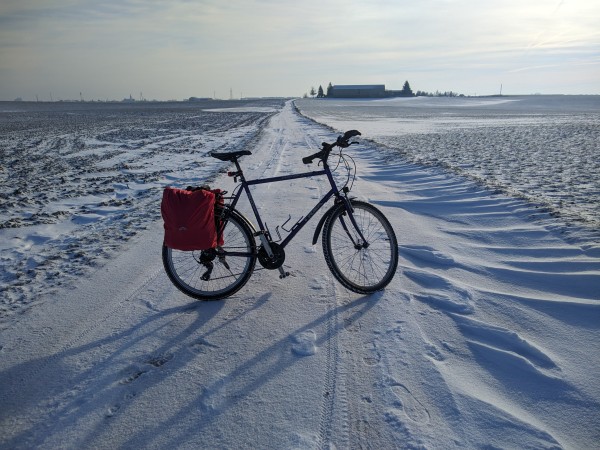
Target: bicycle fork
[(349, 211)]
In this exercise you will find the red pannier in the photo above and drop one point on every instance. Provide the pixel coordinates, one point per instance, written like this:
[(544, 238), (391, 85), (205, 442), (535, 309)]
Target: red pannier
[(189, 218)]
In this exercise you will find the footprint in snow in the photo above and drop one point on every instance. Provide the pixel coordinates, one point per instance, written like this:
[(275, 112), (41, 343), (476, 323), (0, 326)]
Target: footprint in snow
[(114, 409), (133, 376), (148, 304), (413, 408), (372, 356), (134, 372), (201, 346), (433, 352), (318, 283), (160, 360), (304, 343), (351, 325)]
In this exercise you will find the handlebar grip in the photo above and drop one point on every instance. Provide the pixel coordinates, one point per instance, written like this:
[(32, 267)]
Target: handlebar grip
[(309, 159)]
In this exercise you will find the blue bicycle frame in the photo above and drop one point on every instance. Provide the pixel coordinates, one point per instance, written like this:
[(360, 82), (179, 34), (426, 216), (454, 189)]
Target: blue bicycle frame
[(304, 220)]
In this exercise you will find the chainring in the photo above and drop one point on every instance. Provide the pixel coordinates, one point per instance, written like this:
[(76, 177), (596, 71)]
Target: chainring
[(271, 263)]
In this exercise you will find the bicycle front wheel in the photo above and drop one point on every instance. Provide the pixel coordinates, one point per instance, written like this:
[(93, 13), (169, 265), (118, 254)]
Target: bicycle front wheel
[(216, 273), (362, 268)]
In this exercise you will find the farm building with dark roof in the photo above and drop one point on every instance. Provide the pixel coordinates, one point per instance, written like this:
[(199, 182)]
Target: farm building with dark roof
[(358, 91)]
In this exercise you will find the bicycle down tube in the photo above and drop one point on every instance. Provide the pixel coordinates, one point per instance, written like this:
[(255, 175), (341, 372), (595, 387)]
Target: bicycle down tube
[(303, 221)]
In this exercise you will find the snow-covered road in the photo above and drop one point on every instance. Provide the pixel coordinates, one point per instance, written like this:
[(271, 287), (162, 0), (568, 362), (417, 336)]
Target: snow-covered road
[(488, 336)]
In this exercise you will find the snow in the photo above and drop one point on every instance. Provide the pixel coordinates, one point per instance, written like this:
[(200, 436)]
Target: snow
[(488, 336), (540, 148)]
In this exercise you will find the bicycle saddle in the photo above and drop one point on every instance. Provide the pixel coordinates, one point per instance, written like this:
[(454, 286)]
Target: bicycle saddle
[(232, 156)]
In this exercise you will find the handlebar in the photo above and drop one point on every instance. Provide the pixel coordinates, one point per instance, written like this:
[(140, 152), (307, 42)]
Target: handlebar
[(342, 141)]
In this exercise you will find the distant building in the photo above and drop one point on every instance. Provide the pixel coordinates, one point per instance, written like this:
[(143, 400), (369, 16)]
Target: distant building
[(358, 91), (394, 93)]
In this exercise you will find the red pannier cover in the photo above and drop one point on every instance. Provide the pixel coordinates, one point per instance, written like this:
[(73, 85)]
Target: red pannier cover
[(189, 219)]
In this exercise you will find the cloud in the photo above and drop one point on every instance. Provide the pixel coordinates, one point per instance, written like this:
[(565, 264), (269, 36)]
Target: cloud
[(261, 44)]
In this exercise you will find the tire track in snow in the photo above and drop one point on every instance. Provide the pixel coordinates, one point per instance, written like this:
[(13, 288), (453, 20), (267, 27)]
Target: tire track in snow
[(332, 427), (349, 396), (363, 366), (330, 391)]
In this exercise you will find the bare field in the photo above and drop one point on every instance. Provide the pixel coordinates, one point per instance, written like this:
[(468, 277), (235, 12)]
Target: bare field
[(78, 180)]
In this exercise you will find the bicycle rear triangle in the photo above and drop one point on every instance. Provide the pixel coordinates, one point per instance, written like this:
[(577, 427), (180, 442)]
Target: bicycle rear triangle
[(359, 243)]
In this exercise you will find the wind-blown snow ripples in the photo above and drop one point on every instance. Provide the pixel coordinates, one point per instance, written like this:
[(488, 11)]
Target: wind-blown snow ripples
[(540, 148)]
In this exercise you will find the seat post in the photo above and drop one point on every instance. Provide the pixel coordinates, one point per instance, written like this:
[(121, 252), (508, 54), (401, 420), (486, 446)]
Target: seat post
[(238, 167)]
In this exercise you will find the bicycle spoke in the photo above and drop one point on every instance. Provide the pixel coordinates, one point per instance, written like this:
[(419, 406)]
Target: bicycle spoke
[(359, 268), (223, 273)]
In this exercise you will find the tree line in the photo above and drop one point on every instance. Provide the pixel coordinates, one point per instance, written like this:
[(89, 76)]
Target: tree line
[(406, 91)]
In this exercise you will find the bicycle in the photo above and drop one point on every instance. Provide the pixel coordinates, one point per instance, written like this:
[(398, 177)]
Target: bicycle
[(359, 243)]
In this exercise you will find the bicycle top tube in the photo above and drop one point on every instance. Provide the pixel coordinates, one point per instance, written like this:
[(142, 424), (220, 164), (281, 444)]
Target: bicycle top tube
[(233, 157)]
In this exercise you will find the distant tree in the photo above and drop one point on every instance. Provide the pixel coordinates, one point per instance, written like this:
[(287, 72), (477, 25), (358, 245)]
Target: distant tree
[(320, 93), (406, 90), (330, 90), (313, 92), (438, 94)]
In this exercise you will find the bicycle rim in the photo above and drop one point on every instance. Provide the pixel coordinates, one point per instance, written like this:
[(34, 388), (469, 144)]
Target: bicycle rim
[(362, 270), (188, 269)]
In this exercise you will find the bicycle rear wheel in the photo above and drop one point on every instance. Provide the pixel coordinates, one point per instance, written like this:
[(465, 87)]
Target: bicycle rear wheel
[(359, 268), (216, 273)]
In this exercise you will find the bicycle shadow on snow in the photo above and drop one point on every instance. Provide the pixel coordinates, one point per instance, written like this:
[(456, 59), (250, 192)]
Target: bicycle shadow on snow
[(227, 391), (72, 395), (101, 393)]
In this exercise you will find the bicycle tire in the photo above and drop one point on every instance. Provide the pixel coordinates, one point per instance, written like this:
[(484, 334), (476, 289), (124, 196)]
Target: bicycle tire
[(229, 274), (361, 270)]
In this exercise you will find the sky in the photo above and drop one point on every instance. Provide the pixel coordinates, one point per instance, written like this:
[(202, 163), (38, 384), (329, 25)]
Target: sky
[(72, 49)]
